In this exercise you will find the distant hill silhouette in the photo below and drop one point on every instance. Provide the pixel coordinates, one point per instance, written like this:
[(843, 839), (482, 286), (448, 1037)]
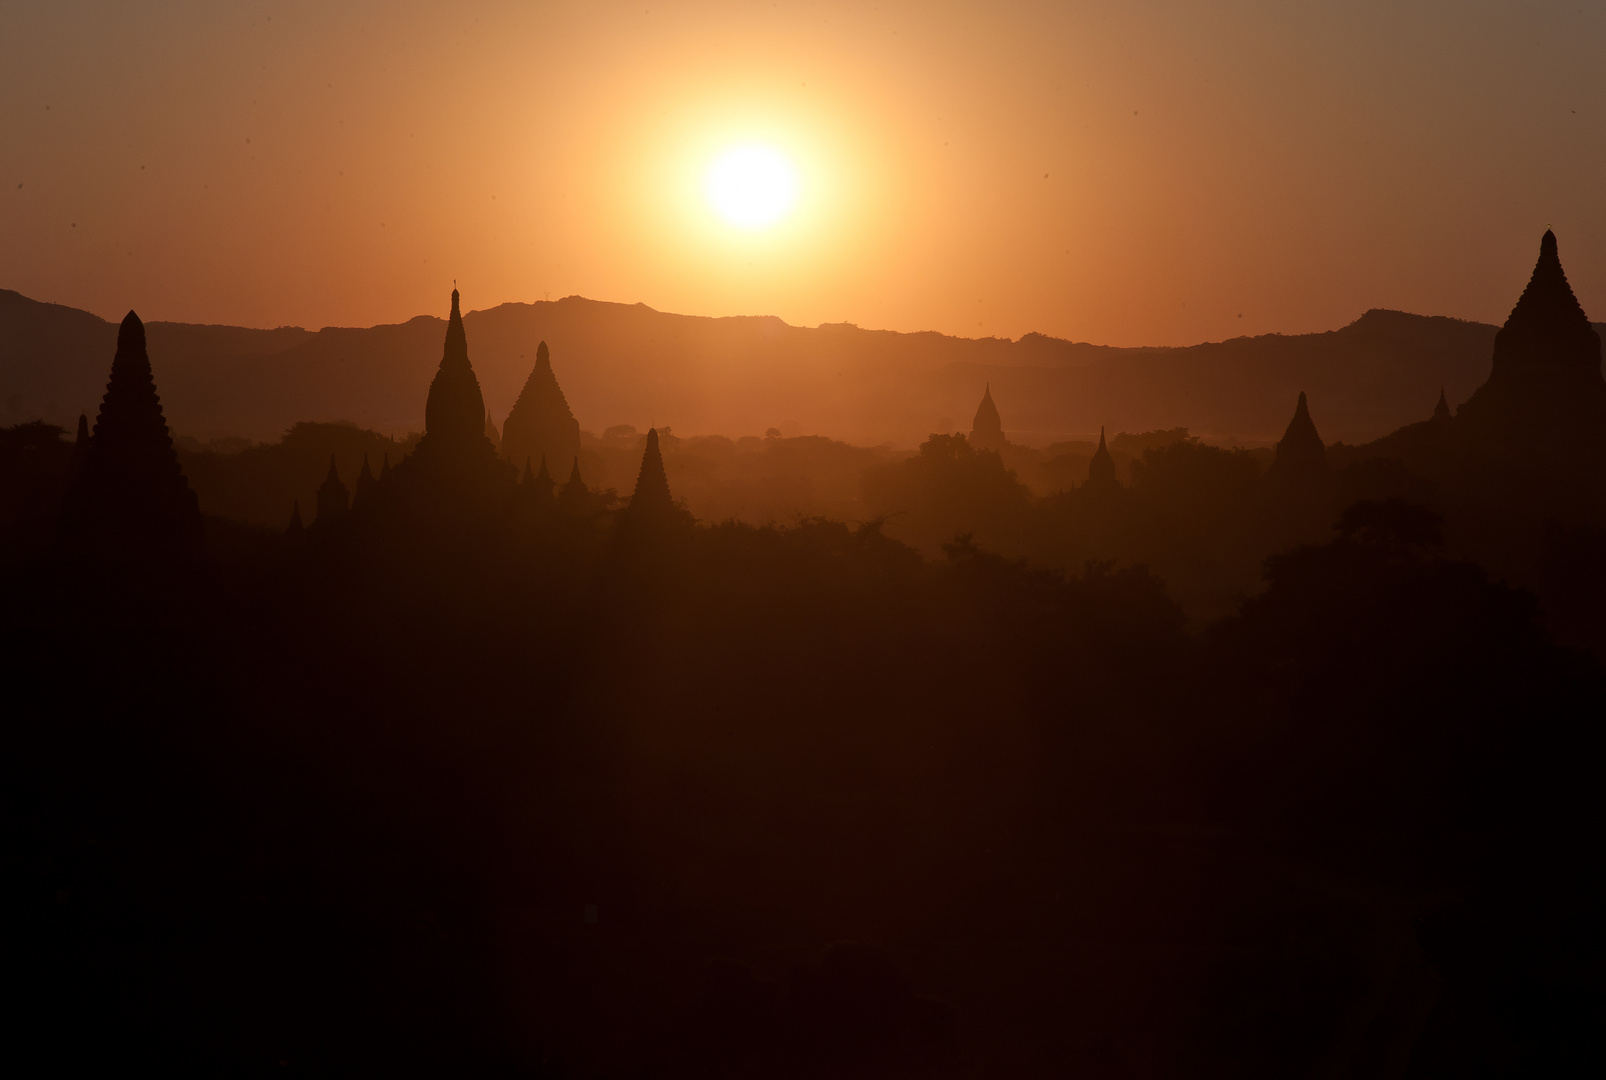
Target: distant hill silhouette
[(631, 364)]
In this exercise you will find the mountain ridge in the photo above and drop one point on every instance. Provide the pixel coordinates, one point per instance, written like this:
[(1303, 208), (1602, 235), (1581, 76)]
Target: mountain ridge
[(742, 374)]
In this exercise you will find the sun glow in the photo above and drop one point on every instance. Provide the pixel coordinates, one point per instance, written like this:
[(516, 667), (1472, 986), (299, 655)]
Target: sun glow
[(751, 186)]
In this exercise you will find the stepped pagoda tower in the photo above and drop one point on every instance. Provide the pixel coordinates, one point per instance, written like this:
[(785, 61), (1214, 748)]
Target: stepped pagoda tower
[(541, 424), (987, 429), (1301, 455), (1101, 470), (1545, 395), (130, 497), (651, 501)]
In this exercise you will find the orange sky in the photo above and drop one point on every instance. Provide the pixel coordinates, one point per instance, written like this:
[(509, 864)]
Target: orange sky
[(1211, 169)]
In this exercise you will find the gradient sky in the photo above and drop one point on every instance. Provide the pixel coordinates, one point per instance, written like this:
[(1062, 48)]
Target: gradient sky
[(1124, 173)]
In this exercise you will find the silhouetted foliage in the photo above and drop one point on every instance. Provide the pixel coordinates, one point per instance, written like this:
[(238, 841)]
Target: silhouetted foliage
[(1207, 773)]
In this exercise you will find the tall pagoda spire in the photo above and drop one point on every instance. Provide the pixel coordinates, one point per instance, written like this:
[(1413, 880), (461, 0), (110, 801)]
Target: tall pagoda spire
[(1101, 470), (455, 411), (131, 492)]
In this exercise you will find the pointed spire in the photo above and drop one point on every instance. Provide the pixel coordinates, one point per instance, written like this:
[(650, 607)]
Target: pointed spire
[(1101, 469), (365, 484), (333, 501), (455, 411), (80, 446), (575, 495), (384, 467), (541, 424), (1301, 454), (652, 498), (131, 491), (1441, 411), (296, 527), (987, 429), (491, 432)]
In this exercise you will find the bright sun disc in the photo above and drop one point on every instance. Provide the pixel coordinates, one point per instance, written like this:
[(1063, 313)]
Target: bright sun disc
[(752, 186)]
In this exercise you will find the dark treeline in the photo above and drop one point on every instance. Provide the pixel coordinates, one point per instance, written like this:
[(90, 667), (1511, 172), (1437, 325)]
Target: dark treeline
[(476, 770)]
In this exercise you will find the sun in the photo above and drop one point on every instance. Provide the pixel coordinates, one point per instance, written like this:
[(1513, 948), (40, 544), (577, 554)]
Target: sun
[(751, 186)]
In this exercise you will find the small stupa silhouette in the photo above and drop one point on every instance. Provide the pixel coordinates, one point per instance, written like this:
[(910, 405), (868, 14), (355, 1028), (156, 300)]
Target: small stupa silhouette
[(295, 528), (987, 429), (80, 446), (130, 492), (1301, 455), (365, 484), (541, 424), (575, 496), (1101, 469), (536, 488), (1441, 411)]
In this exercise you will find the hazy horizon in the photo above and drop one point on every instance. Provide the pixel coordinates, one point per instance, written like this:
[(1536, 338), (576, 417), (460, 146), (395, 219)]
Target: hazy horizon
[(470, 309), (1159, 175)]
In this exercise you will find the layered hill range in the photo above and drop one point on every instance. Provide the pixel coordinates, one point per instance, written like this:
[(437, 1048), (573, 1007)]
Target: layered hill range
[(629, 364)]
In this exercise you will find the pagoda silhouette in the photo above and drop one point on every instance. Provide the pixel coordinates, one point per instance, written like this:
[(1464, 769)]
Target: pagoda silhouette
[(1534, 434), (455, 470), (541, 427), (128, 500), (987, 429), (1101, 468), (333, 498), (651, 505), (1540, 419), (1301, 455)]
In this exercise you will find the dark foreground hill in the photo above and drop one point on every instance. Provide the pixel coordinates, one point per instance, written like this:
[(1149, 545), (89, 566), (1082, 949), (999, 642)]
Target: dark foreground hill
[(622, 363)]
